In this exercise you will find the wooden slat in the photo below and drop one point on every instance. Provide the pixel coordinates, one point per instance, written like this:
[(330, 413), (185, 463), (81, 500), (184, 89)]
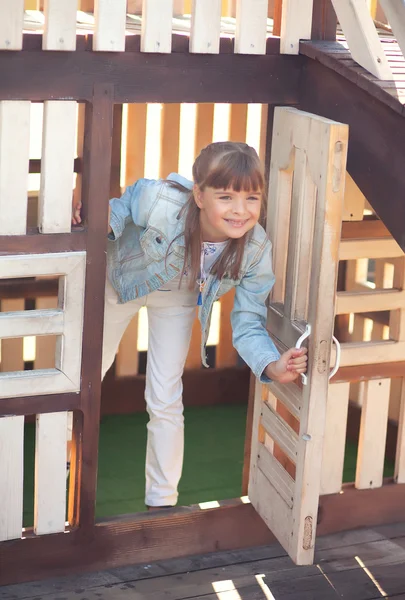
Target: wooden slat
[(276, 475), (60, 25), (335, 438), (354, 201), (110, 20), (362, 37), (296, 24), (31, 322), (50, 473), (280, 432), (156, 26), (226, 355), (12, 349), (397, 318), (58, 150), (289, 394), (395, 12), (45, 347), (371, 353), (399, 472), (11, 477), (251, 26), (369, 248), (356, 302), (373, 432), (14, 160), (205, 26), (11, 24), (169, 139)]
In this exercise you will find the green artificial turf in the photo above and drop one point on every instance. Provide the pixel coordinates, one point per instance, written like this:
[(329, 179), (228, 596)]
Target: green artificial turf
[(214, 444)]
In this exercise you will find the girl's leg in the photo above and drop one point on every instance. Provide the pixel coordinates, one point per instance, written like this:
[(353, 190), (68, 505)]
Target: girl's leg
[(117, 317), (169, 339)]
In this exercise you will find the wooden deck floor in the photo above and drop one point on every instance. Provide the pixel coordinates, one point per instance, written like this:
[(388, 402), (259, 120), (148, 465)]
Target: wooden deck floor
[(356, 565)]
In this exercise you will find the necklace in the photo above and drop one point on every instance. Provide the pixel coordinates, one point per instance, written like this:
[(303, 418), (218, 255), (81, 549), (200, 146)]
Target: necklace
[(203, 277)]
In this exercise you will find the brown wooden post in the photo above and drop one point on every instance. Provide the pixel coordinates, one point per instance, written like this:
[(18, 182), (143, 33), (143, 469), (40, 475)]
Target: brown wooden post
[(324, 21), (96, 187)]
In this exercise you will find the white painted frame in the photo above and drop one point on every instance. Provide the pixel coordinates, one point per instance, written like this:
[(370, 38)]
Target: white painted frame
[(66, 321), (296, 25)]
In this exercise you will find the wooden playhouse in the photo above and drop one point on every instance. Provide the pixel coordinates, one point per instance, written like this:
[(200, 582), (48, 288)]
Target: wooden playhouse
[(99, 84)]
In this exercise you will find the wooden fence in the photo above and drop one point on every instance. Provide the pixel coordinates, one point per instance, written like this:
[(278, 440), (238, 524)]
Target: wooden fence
[(372, 357)]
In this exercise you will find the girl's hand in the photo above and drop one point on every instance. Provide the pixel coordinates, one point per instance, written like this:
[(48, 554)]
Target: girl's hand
[(76, 217), (289, 366)]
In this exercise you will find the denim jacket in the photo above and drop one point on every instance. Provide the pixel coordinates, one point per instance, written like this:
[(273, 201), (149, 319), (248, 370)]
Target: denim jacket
[(144, 222)]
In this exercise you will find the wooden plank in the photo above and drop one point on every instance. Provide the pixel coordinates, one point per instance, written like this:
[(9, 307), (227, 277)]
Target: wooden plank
[(276, 475), (395, 13), (96, 182), (381, 299), (354, 201), (204, 126), (11, 24), (251, 26), (373, 432), (110, 20), (280, 432), (156, 26), (369, 248), (226, 355), (170, 139), (178, 77), (60, 25), (335, 438), (14, 158), (368, 228), (397, 318), (324, 21), (50, 473), (31, 322), (11, 477), (205, 26), (362, 37), (296, 24), (12, 349), (399, 473), (365, 353), (132, 541), (58, 150), (369, 371), (45, 346)]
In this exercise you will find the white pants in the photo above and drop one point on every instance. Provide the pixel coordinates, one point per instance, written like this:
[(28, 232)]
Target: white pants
[(170, 317)]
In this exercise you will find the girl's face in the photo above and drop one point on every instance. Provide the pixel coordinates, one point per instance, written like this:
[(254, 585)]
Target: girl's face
[(225, 213)]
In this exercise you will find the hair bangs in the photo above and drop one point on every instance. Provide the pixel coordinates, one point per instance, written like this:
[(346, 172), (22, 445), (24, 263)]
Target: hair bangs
[(237, 171)]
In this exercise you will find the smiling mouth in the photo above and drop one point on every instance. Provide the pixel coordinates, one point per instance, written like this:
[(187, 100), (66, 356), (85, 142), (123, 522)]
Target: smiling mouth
[(236, 223)]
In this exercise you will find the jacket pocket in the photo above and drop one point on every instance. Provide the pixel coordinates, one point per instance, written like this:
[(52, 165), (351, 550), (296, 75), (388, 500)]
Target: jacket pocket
[(154, 243)]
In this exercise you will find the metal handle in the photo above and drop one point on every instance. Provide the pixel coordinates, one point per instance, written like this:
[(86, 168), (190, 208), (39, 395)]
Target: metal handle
[(304, 336), (338, 355)]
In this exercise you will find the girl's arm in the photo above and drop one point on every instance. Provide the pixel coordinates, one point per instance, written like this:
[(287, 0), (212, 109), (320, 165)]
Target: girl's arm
[(250, 336)]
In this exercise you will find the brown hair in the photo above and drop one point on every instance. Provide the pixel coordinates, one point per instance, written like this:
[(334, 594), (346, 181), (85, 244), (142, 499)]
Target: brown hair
[(221, 165)]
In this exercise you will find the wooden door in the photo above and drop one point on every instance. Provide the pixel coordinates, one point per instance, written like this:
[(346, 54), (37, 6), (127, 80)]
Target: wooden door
[(307, 174)]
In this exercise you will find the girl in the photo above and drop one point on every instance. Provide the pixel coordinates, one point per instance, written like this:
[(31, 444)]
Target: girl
[(173, 245)]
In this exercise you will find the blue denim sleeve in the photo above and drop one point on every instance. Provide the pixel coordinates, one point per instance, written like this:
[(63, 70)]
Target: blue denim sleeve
[(249, 315), (134, 205)]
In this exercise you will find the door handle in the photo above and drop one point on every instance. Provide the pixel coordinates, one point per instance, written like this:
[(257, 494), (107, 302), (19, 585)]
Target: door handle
[(303, 337)]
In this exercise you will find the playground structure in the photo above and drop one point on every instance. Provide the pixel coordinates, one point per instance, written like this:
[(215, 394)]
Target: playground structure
[(103, 93)]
